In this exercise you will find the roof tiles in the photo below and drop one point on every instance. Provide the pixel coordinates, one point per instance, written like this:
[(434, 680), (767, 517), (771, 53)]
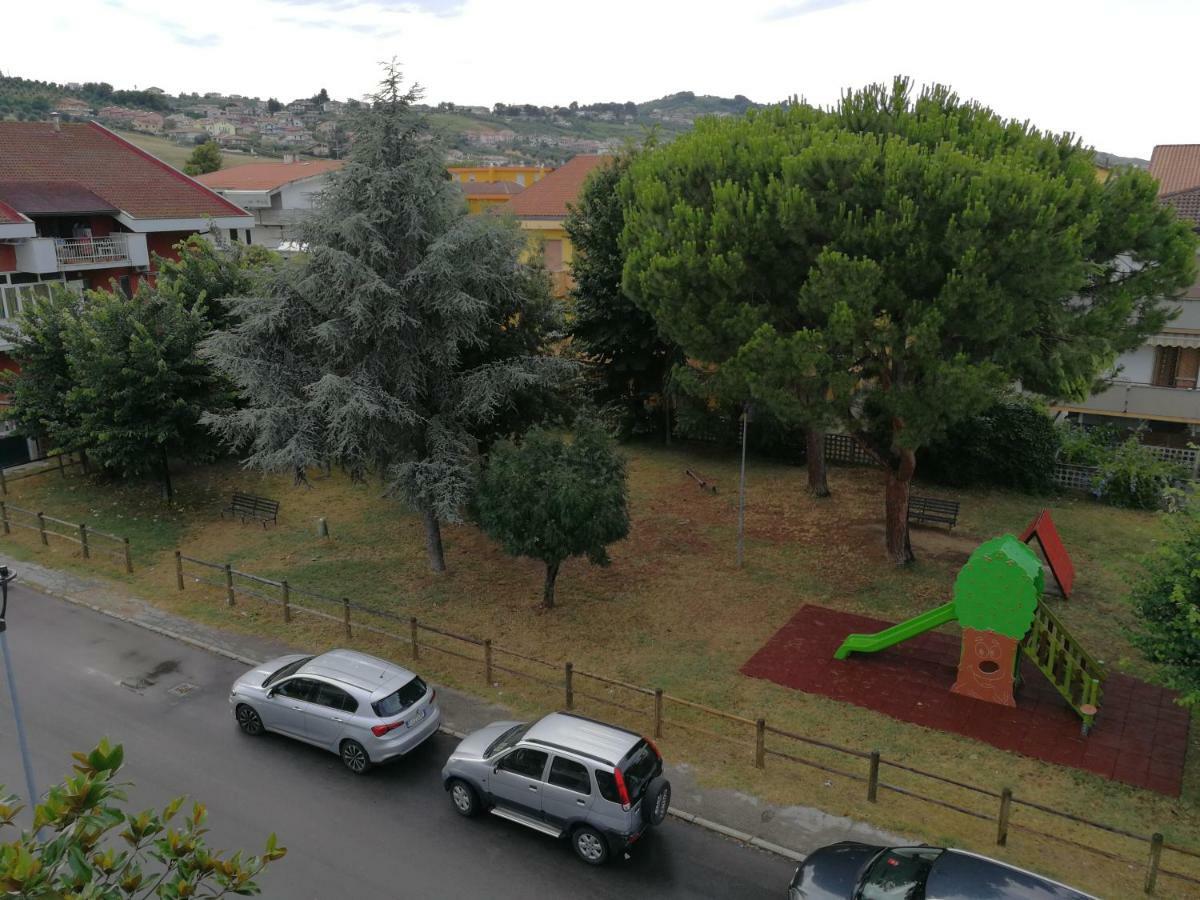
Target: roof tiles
[(125, 176), (266, 176), (1176, 166), (551, 197)]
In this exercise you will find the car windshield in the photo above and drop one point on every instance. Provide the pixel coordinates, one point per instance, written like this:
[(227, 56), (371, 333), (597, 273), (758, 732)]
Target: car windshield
[(897, 874), (287, 670), (395, 703), (641, 765), (507, 740)]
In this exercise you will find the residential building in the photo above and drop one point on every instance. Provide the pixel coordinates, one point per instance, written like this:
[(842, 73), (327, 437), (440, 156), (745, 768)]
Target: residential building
[(82, 207), (542, 210), (521, 175), (1156, 384), (484, 195), (219, 127), (278, 194), (150, 122)]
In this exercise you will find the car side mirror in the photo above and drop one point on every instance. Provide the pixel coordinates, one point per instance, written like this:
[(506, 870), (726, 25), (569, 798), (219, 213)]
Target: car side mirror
[(496, 769), (270, 693)]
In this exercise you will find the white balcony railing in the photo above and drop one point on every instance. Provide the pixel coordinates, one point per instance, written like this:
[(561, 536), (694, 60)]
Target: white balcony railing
[(1143, 401), (112, 249)]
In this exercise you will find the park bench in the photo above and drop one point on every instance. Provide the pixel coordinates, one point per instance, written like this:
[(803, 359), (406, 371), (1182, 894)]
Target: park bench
[(932, 511), (705, 483), (248, 506)]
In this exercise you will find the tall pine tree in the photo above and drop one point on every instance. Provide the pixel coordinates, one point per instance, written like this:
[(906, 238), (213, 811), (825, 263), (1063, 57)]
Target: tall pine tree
[(400, 339)]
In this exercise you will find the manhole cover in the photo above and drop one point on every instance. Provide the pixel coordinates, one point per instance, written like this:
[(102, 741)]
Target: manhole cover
[(182, 689)]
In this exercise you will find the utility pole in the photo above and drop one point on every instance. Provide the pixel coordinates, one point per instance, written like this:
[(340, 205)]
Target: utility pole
[(6, 577), (741, 537)]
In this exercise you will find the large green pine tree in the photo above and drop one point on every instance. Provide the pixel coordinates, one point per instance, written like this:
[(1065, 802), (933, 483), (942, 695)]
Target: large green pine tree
[(895, 261), (401, 338)]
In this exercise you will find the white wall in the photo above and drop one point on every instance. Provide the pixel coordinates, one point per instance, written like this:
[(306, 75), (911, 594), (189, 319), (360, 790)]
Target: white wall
[(299, 195), (1137, 366)]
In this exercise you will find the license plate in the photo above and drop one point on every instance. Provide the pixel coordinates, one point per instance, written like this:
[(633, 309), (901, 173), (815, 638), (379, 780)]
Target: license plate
[(419, 717)]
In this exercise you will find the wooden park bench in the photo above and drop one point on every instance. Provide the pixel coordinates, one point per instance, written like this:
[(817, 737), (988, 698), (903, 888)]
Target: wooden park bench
[(932, 511), (705, 483), (248, 506)]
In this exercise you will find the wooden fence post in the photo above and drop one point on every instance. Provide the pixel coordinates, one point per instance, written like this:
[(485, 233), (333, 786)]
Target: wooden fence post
[(287, 600), (658, 709), (1005, 810), (128, 556), (873, 778), (413, 626), (1156, 845), (4, 516), (179, 569), (760, 744), (346, 615), (487, 661), (83, 540), (569, 684), (229, 599), (3, 483), (41, 517), (61, 468)]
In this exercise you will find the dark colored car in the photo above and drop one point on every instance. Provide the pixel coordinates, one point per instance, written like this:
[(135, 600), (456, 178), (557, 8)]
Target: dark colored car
[(853, 871)]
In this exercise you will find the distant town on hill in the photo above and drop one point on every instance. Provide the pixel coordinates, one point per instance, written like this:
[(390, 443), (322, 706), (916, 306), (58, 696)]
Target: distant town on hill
[(250, 127)]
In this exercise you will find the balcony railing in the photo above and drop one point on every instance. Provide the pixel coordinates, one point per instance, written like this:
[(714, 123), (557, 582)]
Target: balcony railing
[(1142, 401), (88, 251)]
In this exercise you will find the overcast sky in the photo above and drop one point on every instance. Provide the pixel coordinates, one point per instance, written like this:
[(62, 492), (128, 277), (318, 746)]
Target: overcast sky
[(1110, 71)]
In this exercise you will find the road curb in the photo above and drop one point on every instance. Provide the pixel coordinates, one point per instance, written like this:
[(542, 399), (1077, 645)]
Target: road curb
[(692, 819)]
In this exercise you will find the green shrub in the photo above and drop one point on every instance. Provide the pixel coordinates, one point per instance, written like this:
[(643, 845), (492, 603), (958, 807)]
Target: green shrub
[(1131, 476), (1087, 446), (1012, 444)]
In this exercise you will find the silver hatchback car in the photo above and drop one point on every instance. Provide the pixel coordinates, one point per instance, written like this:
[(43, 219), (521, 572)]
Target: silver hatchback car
[(566, 776), (364, 709)]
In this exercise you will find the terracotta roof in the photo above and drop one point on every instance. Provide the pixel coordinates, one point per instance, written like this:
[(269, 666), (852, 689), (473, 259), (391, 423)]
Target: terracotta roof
[(124, 175), (10, 216), (1186, 203), (50, 197), (266, 176), (490, 188), (1176, 166), (549, 198)]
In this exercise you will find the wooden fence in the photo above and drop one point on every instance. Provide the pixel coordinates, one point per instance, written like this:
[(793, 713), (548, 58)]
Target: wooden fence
[(751, 741), (59, 463), (90, 541)]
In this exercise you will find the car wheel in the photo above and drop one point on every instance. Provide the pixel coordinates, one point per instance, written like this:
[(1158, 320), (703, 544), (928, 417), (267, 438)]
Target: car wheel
[(590, 845), (464, 798), (248, 720), (355, 758), (656, 802)]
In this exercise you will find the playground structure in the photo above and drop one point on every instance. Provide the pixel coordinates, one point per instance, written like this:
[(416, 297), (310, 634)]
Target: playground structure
[(997, 601)]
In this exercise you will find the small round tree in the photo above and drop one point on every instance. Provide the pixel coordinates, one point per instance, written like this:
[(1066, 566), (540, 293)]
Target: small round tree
[(551, 498)]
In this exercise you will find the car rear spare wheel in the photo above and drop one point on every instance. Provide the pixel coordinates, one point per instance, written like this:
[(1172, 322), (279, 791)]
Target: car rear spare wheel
[(657, 801)]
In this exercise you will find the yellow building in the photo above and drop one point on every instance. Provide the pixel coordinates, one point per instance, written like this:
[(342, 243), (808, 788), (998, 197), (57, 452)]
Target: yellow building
[(542, 209), (522, 175), (484, 195)]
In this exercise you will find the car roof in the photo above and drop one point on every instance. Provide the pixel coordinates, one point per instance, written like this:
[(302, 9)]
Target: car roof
[(958, 873), (376, 676), (584, 736)]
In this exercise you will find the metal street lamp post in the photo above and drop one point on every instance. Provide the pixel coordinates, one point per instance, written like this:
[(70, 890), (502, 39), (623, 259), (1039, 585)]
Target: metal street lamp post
[(6, 577)]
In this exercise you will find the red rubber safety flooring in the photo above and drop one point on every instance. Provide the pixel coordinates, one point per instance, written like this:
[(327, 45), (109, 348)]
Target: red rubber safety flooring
[(1139, 737)]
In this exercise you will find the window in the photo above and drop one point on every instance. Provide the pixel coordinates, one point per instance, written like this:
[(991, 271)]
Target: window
[(1166, 363), (608, 786), (510, 738), (566, 773), (898, 874), (125, 283), (553, 253), (233, 235), (334, 698), (643, 764), (394, 704), (289, 669), (298, 689), (524, 761)]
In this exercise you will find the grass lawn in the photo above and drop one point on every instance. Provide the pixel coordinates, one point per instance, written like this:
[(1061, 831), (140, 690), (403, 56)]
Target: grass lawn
[(674, 611), (176, 155)]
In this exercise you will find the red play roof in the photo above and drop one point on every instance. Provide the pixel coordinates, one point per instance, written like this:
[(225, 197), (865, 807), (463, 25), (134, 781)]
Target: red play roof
[(266, 176), (10, 216), (550, 197), (110, 167)]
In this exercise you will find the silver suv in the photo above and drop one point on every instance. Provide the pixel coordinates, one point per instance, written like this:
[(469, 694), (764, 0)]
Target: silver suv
[(566, 776), (362, 708)]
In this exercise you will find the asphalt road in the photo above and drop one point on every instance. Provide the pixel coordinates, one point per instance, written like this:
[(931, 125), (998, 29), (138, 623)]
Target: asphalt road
[(390, 834)]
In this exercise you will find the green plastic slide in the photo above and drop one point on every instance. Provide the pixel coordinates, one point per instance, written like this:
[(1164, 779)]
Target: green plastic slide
[(873, 643)]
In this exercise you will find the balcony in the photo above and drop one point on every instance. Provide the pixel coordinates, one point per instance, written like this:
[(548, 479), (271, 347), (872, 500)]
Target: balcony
[(1131, 400), (43, 255)]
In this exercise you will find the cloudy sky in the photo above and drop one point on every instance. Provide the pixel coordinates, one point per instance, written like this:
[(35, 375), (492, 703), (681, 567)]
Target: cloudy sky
[(1109, 71)]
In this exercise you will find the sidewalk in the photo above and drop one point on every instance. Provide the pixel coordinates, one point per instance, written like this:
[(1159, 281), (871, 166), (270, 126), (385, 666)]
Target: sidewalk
[(791, 831)]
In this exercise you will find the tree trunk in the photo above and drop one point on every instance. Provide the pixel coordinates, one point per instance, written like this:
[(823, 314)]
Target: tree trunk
[(986, 666), (899, 478), (818, 483), (433, 540), (84, 463), (548, 590), (168, 488)]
